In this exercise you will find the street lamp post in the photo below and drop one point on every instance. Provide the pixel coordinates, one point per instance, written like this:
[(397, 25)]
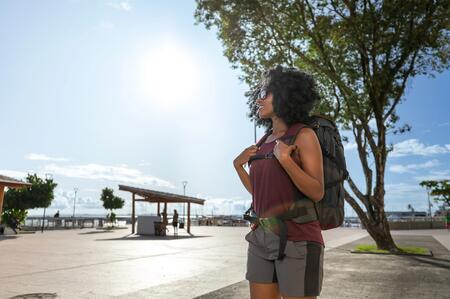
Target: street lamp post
[(184, 193), (429, 206), (74, 202)]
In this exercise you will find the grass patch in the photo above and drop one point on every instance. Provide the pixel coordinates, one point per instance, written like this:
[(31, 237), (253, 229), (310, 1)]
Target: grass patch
[(404, 249)]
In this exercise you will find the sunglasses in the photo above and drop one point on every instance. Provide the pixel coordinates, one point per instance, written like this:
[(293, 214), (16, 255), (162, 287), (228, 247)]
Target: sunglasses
[(262, 93)]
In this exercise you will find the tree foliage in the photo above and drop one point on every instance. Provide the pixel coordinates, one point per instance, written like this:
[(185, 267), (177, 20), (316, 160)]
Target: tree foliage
[(439, 189), (17, 214), (39, 195), (111, 202), (362, 54)]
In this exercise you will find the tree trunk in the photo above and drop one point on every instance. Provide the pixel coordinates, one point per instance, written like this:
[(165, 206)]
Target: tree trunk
[(379, 231), (382, 234)]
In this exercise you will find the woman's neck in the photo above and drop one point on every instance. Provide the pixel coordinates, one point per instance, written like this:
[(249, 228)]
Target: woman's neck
[(278, 125)]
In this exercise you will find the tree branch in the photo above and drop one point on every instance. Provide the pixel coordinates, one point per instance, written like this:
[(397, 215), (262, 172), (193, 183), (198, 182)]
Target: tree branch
[(363, 158), (361, 214), (403, 85)]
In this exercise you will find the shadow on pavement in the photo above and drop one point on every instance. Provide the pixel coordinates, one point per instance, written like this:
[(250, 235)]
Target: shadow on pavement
[(96, 232), (160, 238), (35, 296), (2, 238), (348, 275), (437, 262)]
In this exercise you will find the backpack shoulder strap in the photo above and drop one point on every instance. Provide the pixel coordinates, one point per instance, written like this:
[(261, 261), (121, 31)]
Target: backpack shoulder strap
[(263, 139), (260, 156), (294, 131)]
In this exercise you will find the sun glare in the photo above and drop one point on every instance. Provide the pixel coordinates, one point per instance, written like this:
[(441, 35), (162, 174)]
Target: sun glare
[(169, 76)]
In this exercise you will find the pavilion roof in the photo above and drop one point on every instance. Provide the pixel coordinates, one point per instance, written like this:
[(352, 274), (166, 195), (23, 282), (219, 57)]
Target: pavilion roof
[(158, 196), (11, 182)]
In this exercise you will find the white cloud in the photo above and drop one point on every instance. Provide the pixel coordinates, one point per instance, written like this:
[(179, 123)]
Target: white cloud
[(120, 5), (434, 175), (224, 206), (414, 147), (444, 124), (399, 195), (20, 175), (402, 190), (64, 202), (144, 163), (350, 146), (43, 157), (120, 174), (399, 168)]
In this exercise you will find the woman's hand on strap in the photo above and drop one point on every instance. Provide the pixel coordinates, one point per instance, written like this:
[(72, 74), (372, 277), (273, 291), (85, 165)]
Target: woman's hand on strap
[(308, 177), (282, 151), (240, 160), (244, 157)]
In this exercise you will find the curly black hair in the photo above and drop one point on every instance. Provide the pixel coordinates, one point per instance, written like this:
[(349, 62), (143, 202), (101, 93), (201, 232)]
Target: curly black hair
[(294, 95)]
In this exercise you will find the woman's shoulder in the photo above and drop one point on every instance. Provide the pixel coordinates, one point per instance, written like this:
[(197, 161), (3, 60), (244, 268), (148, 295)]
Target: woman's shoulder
[(302, 130)]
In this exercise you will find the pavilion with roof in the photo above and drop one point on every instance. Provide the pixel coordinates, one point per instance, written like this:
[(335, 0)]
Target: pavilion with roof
[(158, 197), (10, 183)]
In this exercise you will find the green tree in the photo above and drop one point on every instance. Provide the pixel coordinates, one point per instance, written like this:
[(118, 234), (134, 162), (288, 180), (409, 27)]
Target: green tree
[(39, 195), (362, 54), (439, 189), (111, 202), (19, 215)]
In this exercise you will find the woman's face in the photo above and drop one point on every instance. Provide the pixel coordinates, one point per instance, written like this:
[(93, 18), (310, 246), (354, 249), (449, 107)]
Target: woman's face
[(265, 106)]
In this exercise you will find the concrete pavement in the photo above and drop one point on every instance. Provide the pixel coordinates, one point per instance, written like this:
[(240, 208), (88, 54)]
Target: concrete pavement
[(348, 275), (91, 263)]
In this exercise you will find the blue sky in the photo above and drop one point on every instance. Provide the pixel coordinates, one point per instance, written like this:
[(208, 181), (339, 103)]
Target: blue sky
[(99, 93)]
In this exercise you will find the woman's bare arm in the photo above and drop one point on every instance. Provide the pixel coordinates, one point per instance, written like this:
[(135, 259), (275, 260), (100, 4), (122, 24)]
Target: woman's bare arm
[(309, 177), (239, 166), (244, 176)]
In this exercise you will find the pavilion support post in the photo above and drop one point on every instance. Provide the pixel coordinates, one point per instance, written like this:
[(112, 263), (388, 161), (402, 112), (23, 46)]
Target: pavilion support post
[(164, 220), (2, 193), (189, 218), (159, 214), (133, 218)]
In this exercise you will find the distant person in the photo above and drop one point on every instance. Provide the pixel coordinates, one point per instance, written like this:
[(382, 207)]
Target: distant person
[(14, 224), (277, 172), (175, 222), (165, 221), (57, 221)]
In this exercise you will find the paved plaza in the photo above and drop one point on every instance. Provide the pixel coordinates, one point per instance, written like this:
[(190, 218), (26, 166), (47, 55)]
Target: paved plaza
[(91, 263), (376, 276)]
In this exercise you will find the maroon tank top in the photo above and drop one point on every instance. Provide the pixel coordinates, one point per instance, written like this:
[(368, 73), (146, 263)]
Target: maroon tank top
[(273, 192)]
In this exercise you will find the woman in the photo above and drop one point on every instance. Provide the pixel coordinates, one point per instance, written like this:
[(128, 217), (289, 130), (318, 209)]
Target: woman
[(175, 222), (282, 103)]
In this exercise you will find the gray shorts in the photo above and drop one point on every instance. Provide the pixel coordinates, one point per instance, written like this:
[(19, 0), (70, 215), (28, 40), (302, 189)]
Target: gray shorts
[(298, 274)]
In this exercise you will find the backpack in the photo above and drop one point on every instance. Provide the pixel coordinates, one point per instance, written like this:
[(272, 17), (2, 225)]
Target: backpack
[(330, 209)]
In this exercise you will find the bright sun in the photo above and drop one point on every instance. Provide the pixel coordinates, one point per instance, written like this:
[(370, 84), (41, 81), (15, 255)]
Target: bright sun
[(169, 76)]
